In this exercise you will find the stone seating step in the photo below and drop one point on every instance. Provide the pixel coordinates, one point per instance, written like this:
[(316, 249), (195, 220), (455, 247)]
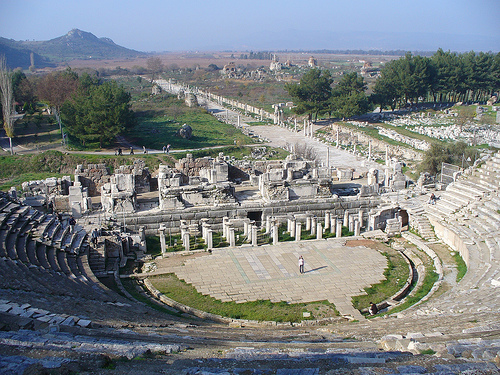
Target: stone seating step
[(11, 206), (12, 220), (4, 202), (52, 230), (490, 179), (52, 259), (442, 207), (459, 195), (41, 254), (73, 266), (4, 216), (57, 235), (448, 199), (477, 228), (10, 243), (52, 221), (495, 199), (494, 248), (490, 215), (473, 186), (63, 264), (4, 232), (41, 228), (65, 242), (21, 247), (31, 252)]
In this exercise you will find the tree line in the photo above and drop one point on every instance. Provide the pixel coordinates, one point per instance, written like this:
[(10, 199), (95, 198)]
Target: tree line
[(92, 110), (444, 77), (314, 95)]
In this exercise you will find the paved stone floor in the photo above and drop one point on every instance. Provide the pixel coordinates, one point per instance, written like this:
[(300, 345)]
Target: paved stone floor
[(333, 272)]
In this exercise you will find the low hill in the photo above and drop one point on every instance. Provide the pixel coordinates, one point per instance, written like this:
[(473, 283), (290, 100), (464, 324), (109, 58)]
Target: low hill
[(76, 44), (19, 57)]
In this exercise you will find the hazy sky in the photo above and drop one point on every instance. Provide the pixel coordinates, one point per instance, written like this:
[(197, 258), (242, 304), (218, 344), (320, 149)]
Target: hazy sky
[(164, 25)]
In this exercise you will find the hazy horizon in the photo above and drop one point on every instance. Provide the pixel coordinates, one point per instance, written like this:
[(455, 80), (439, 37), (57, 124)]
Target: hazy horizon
[(160, 26)]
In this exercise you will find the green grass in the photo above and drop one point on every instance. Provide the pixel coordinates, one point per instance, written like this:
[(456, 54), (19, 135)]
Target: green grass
[(30, 176), (429, 280), (396, 274), (461, 266), (16, 169), (130, 286), (237, 152), (261, 310), (427, 352), (160, 118), (173, 243)]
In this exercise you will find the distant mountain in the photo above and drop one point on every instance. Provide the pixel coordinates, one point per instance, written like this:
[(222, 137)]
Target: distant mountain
[(76, 44), (17, 56)]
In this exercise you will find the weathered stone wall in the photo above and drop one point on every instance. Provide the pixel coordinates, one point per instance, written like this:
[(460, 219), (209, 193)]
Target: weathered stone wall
[(171, 219), (141, 173), (93, 177)]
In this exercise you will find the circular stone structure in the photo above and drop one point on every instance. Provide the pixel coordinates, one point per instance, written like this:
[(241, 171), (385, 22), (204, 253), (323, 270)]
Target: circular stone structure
[(333, 272)]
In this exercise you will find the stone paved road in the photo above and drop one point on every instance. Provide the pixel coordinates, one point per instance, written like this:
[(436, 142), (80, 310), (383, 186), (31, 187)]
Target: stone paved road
[(332, 272)]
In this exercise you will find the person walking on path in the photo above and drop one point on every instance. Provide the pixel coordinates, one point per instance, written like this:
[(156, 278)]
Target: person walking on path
[(95, 236), (301, 264), (164, 149)]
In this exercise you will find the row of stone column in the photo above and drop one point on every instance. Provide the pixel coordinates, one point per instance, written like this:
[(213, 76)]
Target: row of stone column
[(294, 227)]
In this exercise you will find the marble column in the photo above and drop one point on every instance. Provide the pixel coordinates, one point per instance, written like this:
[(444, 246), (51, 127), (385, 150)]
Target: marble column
[(232, 242), (333, 224), (185, 240), (225, 221), (357, 228), (163, 245), (314, 222), (360, 218), (351, 223), (319, 231), (346, 218), (308, 223), (275, 233), (339, 229), (293, 227), (254, 235), (210, 241), (298, 231), (327, 220)]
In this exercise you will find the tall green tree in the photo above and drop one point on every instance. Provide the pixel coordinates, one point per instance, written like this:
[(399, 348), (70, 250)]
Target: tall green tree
[(98, 113), (7, 100), (348, 96), (312, 94)]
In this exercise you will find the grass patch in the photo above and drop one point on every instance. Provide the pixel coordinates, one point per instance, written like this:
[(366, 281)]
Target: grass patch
[(261, 310), (396, 274), (16, 169), (430, 278), (173, 243), (461, 266), (130, 286), (160, 118), (427, 352)]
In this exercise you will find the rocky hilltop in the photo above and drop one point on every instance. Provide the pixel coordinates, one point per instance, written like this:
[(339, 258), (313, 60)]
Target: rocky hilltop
[(76, 44)]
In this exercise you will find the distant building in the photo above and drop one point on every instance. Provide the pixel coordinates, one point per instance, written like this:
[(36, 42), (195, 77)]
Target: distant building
[(312, 62)]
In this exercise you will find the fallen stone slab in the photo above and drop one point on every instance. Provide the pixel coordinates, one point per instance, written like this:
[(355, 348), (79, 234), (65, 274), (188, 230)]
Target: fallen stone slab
[(84, 323), (360, 360)]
